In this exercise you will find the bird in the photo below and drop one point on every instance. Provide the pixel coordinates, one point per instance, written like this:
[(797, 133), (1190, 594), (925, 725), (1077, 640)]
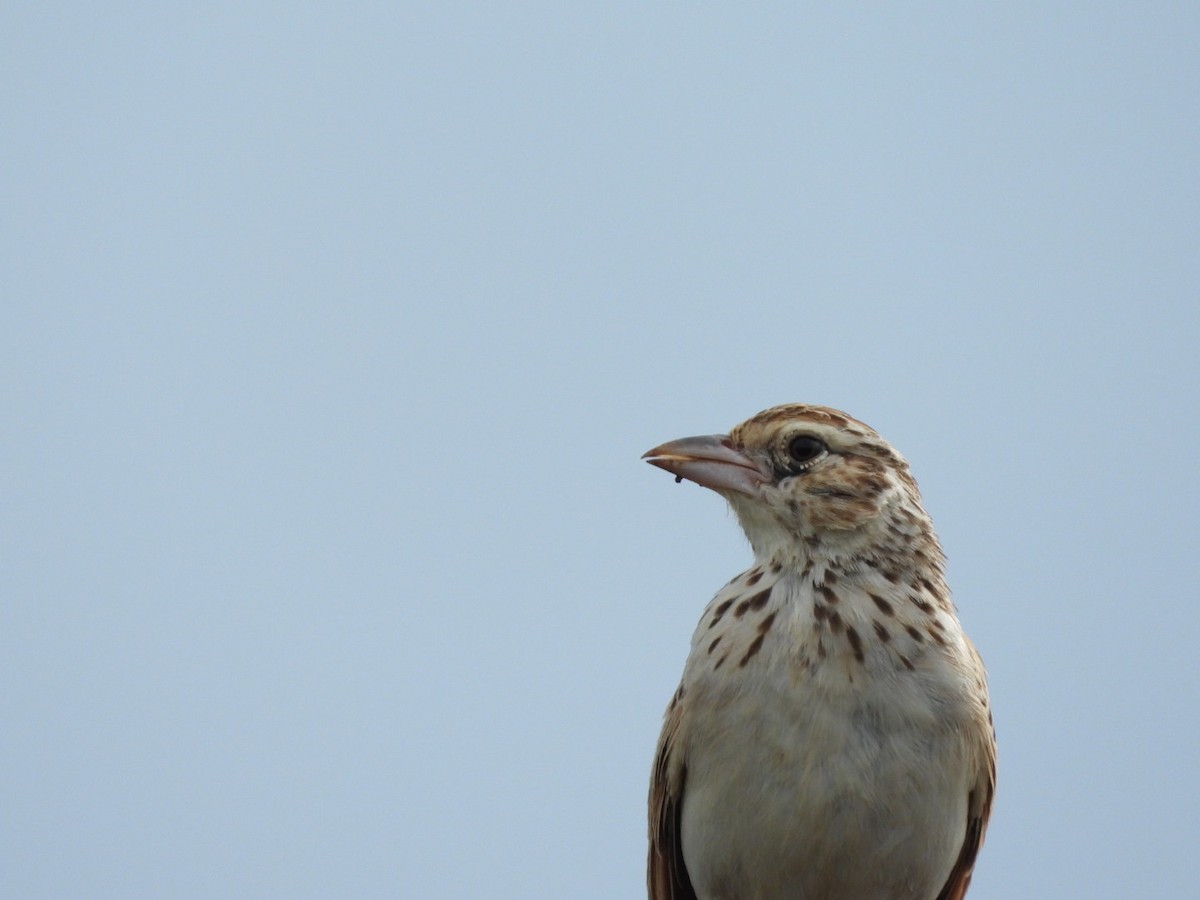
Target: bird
[(831, 737)]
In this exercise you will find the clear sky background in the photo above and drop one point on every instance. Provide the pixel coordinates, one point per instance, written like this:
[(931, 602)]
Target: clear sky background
[(331, 336)]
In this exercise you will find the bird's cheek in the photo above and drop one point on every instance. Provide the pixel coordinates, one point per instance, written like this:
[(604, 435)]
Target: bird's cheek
[(843, 513)]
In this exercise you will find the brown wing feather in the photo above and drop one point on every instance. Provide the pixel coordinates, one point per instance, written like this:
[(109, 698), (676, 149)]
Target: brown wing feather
[(979, 808), (666, 874)]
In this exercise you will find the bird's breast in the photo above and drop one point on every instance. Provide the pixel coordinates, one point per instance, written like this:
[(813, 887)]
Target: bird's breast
[(818, 756)]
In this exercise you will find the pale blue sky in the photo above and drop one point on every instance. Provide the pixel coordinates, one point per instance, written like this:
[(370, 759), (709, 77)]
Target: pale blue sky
[(331, 336)]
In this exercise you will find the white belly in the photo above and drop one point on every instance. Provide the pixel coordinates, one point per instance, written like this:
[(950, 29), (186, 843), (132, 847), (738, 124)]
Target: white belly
[(822, 790)]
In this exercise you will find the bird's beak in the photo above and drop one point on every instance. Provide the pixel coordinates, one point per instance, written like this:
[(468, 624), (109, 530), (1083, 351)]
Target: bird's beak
[(711, 461)]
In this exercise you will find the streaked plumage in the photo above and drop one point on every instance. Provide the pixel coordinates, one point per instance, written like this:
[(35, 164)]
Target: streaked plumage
[(831, 737)]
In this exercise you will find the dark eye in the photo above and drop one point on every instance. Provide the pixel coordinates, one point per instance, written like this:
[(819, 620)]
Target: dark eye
[(804, 449)]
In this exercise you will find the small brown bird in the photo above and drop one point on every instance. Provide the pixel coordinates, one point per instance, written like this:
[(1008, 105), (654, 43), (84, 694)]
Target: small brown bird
[(831, 737)]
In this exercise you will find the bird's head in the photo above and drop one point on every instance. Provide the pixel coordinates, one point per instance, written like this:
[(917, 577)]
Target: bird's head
[(799, 475)]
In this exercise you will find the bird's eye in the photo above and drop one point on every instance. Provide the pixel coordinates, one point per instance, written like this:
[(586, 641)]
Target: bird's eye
[(804, 449)]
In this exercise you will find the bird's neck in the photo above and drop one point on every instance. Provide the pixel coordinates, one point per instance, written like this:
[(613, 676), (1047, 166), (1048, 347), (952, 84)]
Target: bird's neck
[(898, 546), (877, 601)]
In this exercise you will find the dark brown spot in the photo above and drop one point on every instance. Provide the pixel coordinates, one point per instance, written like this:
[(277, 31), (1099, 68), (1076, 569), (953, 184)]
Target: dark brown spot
[(835, 622), (892, 575), (713, 645), (921, 603), (820, 648), (720, 662), (757, 602), (808, 567), (937, 636), (855, 642), (914, 634), (776, 568), (754, 578), (884, 606), (820, 612), (881, 632), (755, 646), (765, 625), (928, 585), (720, 611), (830, 577), (831, 596), (907, 663)]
